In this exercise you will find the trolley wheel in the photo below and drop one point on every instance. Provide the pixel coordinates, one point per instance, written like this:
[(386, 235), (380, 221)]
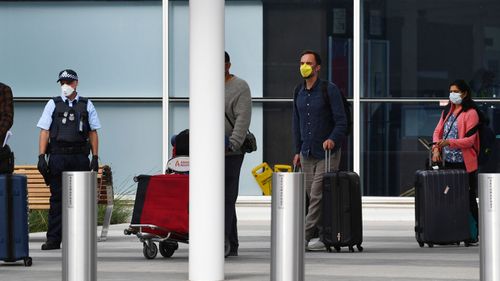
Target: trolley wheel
[(337, 248), (227, 247), (150, 250), (421, 244), (168, 248), (28, 261), (351, 249), (466, 243), (430, 245), (359, 248), (329, 249)]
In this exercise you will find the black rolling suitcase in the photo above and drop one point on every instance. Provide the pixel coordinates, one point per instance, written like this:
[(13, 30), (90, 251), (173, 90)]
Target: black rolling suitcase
[(14, 237), (442, 207), (341, 210)]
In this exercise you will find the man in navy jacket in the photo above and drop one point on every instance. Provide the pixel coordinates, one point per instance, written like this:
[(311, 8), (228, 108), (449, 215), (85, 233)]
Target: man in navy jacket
[(319, 124)]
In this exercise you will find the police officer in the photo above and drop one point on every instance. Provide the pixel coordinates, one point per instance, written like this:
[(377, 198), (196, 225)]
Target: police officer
[(68, 133)]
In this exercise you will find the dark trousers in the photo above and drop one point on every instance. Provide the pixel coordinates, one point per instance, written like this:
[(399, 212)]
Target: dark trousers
[(232, 180), (59, 163), (472, 188)]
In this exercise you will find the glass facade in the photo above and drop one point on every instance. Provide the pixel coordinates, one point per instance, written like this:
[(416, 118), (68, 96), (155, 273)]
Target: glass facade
[(411, 51)]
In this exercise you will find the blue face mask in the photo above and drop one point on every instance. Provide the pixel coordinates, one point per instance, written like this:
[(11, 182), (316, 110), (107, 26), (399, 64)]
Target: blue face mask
[(455, 98)]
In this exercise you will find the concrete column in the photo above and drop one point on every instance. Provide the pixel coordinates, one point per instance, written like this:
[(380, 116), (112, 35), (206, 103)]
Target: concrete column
[(165, 104), (206, 147), (358, 89)]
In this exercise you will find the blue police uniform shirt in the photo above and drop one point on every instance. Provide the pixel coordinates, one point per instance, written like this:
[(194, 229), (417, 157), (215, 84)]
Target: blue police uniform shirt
[(46, 118)]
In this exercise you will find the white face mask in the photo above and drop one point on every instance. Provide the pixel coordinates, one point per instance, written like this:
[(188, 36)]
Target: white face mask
[(67, 90), (455, 98)]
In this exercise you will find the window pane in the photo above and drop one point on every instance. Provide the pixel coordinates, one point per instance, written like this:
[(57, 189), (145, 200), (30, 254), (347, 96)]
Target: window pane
[(391, 152), (291, 27), (390, 149), (412, 48)]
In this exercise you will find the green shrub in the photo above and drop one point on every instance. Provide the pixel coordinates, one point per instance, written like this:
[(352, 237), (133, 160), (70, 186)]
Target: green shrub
[(38, 220)]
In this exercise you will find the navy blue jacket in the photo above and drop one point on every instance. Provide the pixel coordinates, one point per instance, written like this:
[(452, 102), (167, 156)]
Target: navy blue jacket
[(316, 119)]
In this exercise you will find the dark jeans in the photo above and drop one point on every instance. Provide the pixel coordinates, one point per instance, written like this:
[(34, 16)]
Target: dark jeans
[(59, 163), (472, 188), (232, 180)]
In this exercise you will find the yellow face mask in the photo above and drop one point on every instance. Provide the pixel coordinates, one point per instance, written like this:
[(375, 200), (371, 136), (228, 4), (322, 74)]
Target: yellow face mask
[(305, 70)]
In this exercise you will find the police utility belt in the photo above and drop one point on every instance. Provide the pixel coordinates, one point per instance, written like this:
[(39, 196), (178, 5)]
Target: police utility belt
[(67, 148)]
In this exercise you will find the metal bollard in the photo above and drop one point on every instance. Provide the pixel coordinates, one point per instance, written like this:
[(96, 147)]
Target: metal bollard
[(489, 221), (79, 253), (287, 227)]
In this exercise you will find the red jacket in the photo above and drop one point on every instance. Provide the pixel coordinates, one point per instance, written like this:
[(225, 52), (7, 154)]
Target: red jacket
[(469, 145)]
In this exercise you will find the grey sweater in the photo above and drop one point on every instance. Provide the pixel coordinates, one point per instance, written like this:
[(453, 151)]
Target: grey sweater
[(238, 107)]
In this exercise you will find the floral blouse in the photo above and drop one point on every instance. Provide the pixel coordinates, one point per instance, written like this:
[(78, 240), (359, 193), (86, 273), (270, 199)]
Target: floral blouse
[(452, 155)]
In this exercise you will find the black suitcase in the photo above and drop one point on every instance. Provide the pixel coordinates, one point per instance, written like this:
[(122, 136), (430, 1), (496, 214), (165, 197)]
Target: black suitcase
[(14, 237), (341, 211), (442, 207)]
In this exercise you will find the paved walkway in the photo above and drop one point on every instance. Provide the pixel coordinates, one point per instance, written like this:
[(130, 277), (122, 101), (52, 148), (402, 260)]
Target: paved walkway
[(391, 253)]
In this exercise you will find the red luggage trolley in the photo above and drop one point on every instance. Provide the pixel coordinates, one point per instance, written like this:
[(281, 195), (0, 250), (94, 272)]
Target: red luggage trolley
[(161, 213)]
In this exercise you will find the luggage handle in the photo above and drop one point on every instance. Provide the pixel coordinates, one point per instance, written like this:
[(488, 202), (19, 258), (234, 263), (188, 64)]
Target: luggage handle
[(328, 163), (430, 155)]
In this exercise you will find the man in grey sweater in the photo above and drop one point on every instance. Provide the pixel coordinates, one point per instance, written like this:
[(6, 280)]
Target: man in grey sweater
[(238, 110)]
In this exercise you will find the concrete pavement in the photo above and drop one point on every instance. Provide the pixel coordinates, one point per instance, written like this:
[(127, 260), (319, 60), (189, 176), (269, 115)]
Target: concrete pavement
[(391, 253)]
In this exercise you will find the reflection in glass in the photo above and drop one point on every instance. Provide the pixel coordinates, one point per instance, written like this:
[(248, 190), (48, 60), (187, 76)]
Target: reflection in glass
[(431, 43), (390, 149)]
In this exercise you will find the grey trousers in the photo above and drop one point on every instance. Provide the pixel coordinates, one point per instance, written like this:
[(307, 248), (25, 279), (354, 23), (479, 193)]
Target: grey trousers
[(313, 170)]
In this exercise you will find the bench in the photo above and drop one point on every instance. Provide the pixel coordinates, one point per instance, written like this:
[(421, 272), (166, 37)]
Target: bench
[(39, 192)]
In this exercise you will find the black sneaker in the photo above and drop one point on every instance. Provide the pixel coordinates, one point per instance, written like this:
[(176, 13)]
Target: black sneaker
[(49, 245)]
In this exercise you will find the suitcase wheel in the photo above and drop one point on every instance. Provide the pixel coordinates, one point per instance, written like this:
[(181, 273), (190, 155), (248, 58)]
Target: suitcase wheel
[(168, 248), (328, 249), (127, 231), (359, 248), (351, 249), (150, 250), (466, 243), (421, 244), (337, 248), (28, 261), (430, 245)]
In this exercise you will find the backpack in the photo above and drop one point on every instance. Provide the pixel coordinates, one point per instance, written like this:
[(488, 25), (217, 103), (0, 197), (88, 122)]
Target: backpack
[(486, 138), (181, 146), (324, 90)]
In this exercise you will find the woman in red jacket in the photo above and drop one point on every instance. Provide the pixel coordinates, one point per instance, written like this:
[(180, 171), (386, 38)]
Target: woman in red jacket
[(459, 150)]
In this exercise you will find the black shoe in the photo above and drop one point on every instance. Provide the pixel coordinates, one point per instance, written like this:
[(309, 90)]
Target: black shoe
[(49, 245), (233, 252)]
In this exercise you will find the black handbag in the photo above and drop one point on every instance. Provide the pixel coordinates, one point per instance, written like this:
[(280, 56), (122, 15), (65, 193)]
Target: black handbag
[(6, 160), (250, 143)]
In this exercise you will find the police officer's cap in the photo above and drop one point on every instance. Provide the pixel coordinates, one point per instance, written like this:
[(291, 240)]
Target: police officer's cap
[(67, 75)]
